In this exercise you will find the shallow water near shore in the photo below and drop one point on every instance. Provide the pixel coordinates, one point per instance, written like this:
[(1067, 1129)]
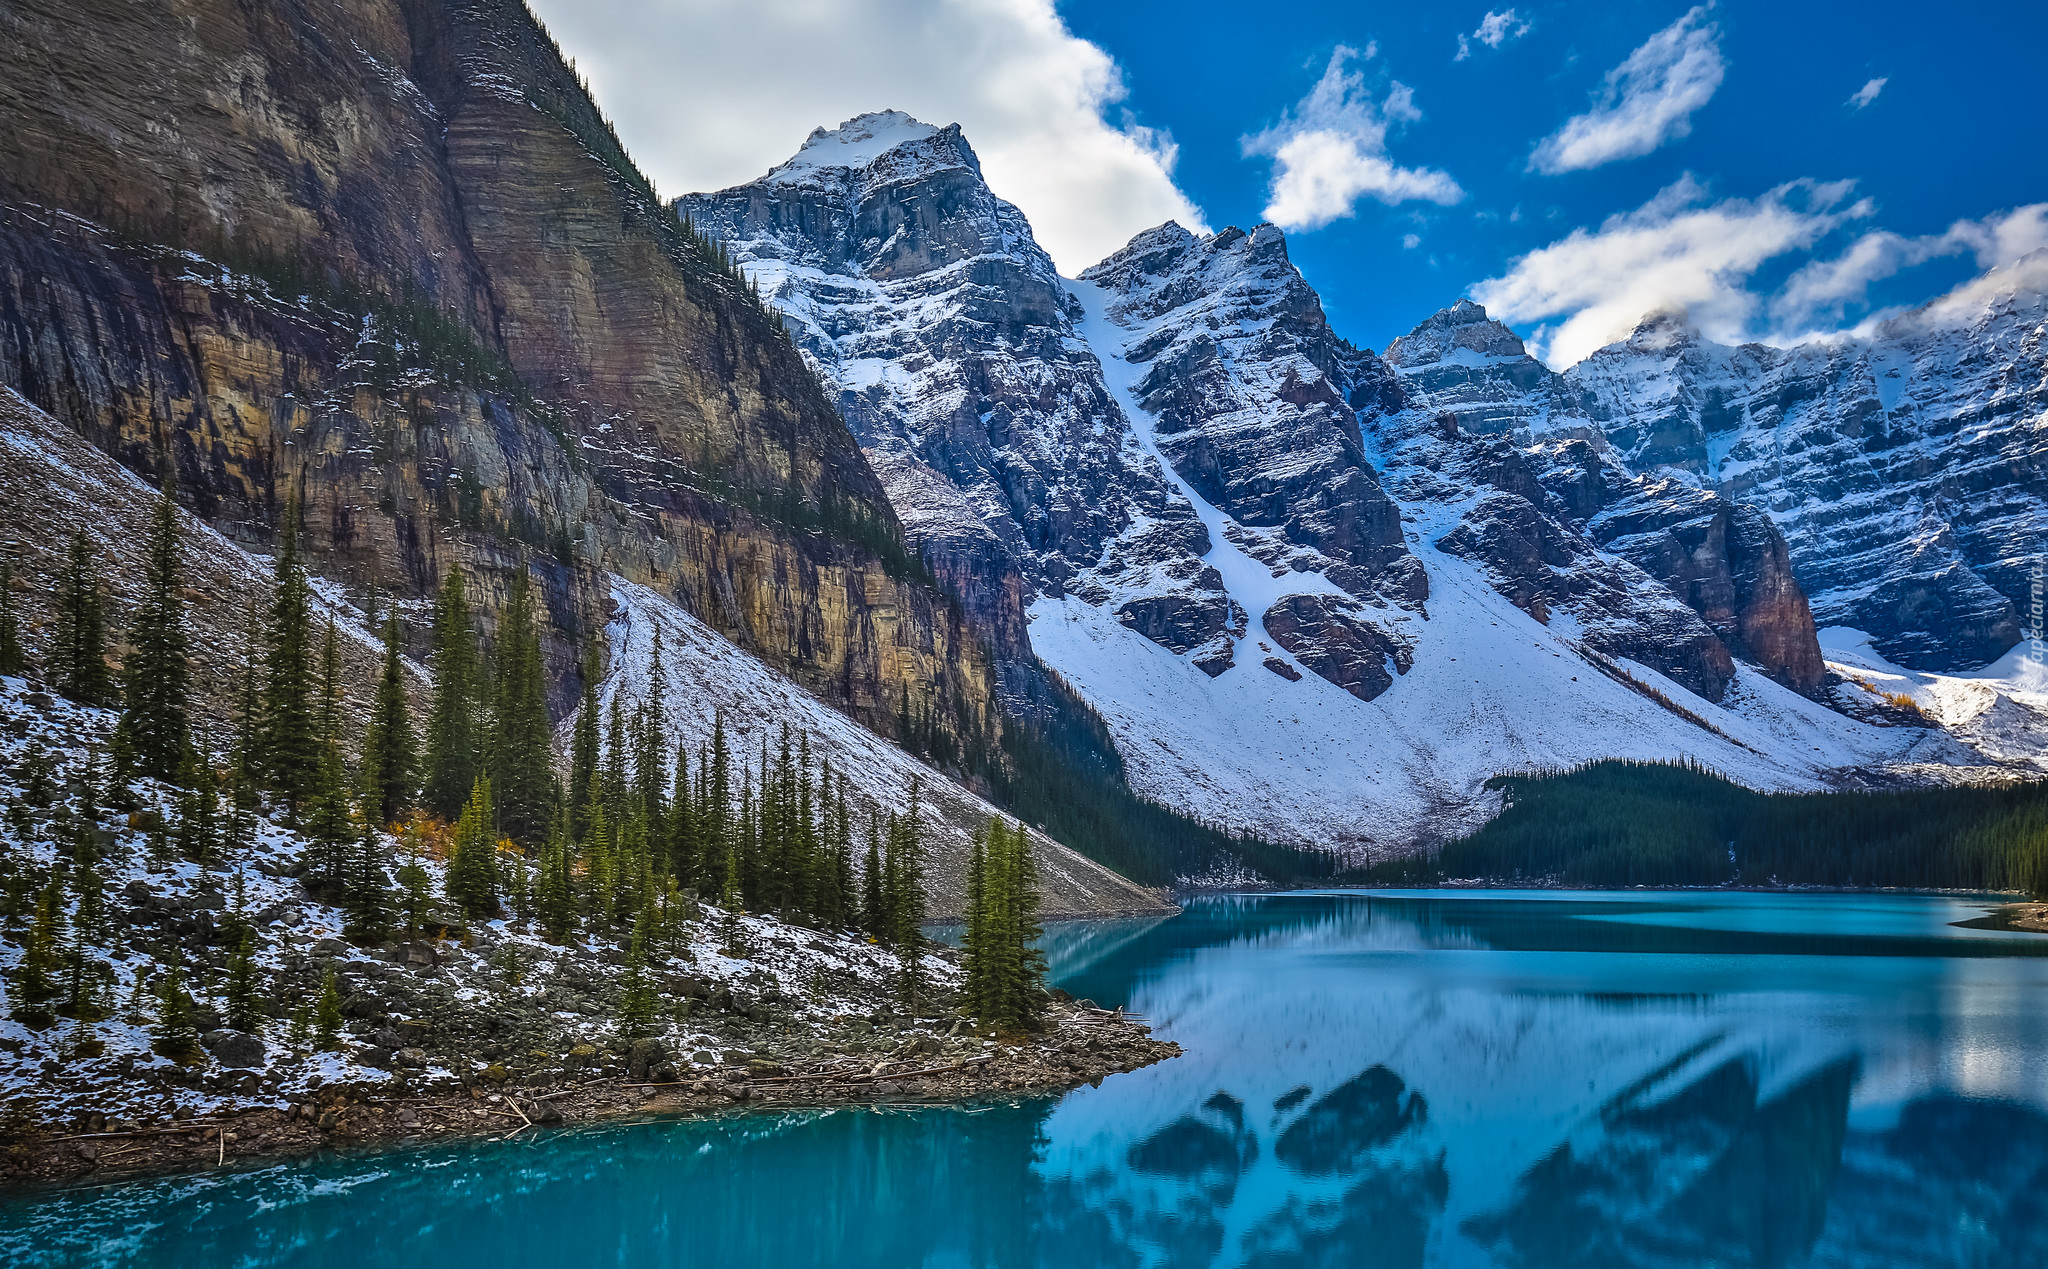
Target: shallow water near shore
[(1443, 1078)]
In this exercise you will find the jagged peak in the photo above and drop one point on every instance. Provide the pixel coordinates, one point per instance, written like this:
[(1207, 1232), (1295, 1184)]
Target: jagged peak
[(1463, 326), (862, 140)]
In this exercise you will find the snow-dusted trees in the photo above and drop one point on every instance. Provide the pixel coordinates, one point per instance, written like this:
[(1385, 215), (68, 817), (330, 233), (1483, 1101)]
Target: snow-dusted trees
[(155, 675), (289, 729), (521, 762), (390, 755), (79, 659)]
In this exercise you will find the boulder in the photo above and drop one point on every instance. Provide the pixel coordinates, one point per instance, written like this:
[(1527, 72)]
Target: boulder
[(235, 1048), (644, 1056)]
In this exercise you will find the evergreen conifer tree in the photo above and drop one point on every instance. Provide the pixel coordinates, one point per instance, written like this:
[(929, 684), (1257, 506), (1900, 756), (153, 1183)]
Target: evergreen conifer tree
[(13, 660), (244, 1011), (35, 980), (905, 871), (79, 659), (415, 893), (330, 820), (289, 730), (522, 777), (158, 668), (390, 756), (682, 825), (583, 750), (473, 862), (556, 898), (174, 1035), (366, 895), (874, 905), (638, 1003), (454, 725), (618, 784), (327, 1015)]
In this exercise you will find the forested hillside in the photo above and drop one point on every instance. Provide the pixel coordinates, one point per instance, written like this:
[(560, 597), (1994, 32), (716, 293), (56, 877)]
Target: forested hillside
[(1662, 824)]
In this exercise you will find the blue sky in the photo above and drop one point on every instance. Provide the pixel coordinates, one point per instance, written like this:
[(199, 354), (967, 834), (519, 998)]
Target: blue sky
[(1774, 170), (1955, 131)]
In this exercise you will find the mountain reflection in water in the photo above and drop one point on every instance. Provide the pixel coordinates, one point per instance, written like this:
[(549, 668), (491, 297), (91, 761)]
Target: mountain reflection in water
[(1437, 1079)]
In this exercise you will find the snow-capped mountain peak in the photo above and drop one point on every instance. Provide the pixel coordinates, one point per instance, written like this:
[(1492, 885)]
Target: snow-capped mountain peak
[(860, 141)]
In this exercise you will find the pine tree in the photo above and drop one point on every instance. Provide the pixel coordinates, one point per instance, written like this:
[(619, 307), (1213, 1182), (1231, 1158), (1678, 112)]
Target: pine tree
[(874, 903), (390, 756), (599, 876), (583, 750), (617, 785), (650, 749), (415, 893), (974, 946), (289, 730), (79, 659), (327, 1015), (905, 873), (199, 828), (522, 775), (244, 1011), (330, 820), (453, 726), (35, 983), (639, 1005), (473, 863), (156, 674), (556, 900), (366, 895), (174, 1034), (682, 825), (13, 661)]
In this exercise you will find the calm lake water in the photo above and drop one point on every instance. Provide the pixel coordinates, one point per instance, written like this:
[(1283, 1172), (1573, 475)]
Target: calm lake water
[(1385, 1079)]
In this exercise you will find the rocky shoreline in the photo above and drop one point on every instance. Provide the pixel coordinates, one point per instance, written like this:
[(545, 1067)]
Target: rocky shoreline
[(1081, 1045)]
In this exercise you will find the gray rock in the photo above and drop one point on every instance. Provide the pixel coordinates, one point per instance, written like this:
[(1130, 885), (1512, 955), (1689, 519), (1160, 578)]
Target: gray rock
[(235, 1048), (644, 1056)]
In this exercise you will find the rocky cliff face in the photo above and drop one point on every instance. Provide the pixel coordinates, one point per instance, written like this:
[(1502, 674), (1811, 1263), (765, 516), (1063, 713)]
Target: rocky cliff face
[(384, 257), (953, 347), (1905, 466), (950, 343), (1479, 403)]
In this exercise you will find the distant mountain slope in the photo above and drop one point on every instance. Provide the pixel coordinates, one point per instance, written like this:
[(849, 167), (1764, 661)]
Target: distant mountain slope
[(1905, 465)]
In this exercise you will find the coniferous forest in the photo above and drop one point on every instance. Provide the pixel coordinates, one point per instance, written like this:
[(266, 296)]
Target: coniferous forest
[(1618, 823)]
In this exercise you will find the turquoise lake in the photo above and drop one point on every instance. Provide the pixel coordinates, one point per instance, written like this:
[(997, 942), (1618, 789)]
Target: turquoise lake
[(1453, 1078)]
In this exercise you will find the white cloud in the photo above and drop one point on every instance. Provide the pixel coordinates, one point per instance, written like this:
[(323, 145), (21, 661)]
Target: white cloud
[(1410, 242), (1868, 93), (1331, 150), (1820, 293), (1495, 29), (1647, 100), (1679, 252), (712, 93)]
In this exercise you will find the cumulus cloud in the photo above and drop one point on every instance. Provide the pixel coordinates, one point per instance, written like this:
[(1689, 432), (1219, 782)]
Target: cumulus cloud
[(712, 93), (1647, 100), (1331, 150), (1678, 253), (1821, 292), (1868, 93), (1495, 29)]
